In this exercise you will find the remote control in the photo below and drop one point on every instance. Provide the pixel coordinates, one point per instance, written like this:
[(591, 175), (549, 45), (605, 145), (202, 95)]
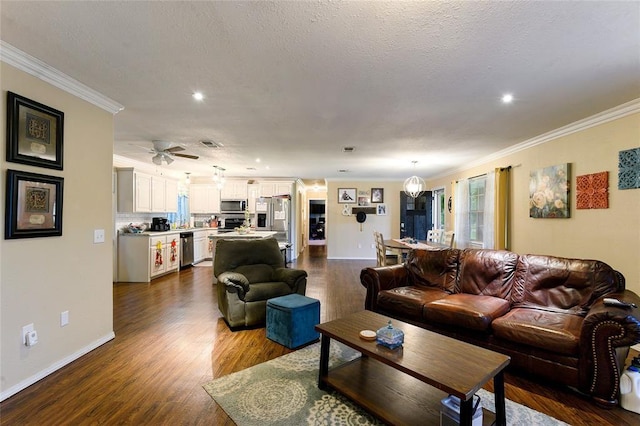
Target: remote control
[(608, 301)]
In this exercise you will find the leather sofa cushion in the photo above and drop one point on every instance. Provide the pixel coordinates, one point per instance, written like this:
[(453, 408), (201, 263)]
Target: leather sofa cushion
[(487, 272), (572, 285), (553, 331), (433, 268), (408, 302), (264, 291), (466, 310)]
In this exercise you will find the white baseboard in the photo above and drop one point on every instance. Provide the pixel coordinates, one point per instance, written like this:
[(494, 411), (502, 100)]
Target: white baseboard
[(58, 365)]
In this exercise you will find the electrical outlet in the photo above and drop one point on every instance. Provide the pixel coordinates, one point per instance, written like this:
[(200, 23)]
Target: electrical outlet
[(373, 246), (98, 236), (64, 318), (359, 245), (25, 331)]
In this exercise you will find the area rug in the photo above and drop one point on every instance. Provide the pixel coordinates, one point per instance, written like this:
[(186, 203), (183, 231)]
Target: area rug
[(284, 391)]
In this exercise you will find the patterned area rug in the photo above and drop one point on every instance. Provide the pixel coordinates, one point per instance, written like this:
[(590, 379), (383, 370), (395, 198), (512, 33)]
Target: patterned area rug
[(284, 391)]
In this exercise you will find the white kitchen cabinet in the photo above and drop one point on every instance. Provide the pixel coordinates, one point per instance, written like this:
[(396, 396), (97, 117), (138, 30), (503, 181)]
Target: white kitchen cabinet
[(158, 194), (140, 192), (204, 199), (171, 190), (270, 189), (140, 258), (173, 252), (200, 247), (234, 190), (253, 192)]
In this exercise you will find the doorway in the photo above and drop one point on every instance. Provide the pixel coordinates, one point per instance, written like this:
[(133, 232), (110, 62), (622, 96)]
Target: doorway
[(317, 222), (415, 215)]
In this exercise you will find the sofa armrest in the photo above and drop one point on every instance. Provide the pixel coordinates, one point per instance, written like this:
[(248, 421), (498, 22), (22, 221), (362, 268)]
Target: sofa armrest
[(235, 282), (294, 278), (382, 278), (607, 332)]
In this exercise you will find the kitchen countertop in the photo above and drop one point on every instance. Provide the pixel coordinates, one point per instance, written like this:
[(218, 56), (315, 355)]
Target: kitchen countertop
[(170, 232), (255, 234)]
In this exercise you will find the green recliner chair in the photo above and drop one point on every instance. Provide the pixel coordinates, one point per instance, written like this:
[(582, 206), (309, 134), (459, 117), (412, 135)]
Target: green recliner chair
[(249, 272)]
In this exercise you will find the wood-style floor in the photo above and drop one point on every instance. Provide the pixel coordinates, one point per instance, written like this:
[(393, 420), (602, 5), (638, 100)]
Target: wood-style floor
[(170, 340)]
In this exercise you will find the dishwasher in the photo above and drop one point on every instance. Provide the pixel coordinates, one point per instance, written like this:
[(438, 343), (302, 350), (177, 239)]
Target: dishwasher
[(186, 249)]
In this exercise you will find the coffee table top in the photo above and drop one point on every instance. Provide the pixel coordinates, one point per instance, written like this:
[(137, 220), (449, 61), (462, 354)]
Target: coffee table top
[(450, 365)]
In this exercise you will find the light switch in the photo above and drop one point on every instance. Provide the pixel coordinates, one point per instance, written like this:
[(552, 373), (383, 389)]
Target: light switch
[(98, 236)]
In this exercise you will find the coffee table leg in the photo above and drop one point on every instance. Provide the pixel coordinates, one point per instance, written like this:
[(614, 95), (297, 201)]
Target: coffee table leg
[(498, 386), (324, 361)]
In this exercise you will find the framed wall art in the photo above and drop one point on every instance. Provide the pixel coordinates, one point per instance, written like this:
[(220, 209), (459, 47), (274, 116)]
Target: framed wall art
[(33, 206), (381, 209), (377, 195), (347, 195), (549, 192), (34, 133)]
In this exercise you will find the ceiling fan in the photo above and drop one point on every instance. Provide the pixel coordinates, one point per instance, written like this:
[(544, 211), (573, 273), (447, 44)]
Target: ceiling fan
[(164, 151)]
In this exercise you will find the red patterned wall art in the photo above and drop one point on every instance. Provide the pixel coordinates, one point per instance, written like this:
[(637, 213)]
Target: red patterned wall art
[(592, 191)]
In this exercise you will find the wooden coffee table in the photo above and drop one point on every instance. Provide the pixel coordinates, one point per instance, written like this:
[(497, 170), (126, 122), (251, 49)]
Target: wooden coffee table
[(405, 385)]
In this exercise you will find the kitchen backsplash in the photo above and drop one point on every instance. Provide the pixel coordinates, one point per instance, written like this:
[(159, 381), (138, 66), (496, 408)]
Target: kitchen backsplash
[(124, 219)]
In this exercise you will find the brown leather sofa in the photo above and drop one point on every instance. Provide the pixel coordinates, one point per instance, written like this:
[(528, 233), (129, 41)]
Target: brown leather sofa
[(546, 313)]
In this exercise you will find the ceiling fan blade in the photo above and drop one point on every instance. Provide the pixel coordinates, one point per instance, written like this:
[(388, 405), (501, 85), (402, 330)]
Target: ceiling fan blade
[(174, 149), (193, 157)]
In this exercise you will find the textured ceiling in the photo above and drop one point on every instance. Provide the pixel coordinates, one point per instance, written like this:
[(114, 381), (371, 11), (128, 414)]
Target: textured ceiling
[(292, 83)]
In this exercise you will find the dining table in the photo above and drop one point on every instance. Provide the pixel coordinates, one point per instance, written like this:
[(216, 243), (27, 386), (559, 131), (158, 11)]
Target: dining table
[(402, 246)]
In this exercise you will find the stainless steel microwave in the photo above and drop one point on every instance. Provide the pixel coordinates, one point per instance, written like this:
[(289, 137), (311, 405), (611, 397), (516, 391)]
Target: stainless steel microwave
[(233, 206)]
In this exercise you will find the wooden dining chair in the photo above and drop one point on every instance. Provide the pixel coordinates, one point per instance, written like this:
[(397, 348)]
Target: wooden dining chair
[(447, 238), (383, 256), (434, 235)]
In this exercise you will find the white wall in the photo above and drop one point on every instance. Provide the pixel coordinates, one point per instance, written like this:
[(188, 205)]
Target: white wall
[(42, 277), (346, 239)]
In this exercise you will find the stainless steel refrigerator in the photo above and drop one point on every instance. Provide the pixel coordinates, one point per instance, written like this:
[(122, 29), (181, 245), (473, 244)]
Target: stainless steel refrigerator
[(274, 214)]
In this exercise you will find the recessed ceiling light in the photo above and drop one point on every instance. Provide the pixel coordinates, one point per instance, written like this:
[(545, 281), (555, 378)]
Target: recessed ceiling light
[(258, 160), (198, 96), (507, 98)]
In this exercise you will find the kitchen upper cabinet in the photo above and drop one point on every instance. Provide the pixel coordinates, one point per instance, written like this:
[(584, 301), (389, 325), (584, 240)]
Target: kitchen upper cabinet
[(140, 192), (253, 192), (204, 199), (171, 189), (234, 190), (270, 189), (158, 194)]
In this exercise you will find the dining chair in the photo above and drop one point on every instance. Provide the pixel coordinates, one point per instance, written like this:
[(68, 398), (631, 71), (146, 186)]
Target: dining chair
[(447, 238), (383, 256), (434, 235)]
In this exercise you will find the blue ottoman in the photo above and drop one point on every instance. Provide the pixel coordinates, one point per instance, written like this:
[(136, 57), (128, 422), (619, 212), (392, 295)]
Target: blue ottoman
[(291, 320)]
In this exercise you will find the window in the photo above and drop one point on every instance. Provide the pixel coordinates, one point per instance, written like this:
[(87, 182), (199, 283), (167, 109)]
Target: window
[(476, 208), (438, 208)]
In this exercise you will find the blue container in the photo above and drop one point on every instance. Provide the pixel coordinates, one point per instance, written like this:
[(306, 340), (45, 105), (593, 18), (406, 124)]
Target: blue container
[(291, 320)]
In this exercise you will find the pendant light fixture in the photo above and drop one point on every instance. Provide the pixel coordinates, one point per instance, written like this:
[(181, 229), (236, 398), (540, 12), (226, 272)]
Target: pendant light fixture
[(414, 186)]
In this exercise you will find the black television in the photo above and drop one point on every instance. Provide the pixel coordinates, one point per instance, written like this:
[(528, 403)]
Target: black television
[(317, 209)]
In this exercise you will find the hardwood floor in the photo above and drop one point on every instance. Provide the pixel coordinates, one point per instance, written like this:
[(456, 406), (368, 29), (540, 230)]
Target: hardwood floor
[(170, 340)]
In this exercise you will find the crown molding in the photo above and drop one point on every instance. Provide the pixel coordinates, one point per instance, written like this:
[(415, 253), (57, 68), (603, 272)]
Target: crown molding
[(628, 108), (27, 63)]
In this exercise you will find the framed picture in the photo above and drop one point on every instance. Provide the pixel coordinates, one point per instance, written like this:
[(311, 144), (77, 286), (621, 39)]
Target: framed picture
[(381, 209), (363, 201), (549, 192), (34, 205), (347, 195), (377, 195), (34, 133)]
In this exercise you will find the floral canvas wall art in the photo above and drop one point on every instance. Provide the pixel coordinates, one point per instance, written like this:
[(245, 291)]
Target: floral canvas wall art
[(549, 192)]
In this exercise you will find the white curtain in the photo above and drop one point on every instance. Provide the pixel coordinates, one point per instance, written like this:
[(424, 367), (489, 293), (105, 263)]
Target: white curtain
[(488, 231), (462, 213)]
